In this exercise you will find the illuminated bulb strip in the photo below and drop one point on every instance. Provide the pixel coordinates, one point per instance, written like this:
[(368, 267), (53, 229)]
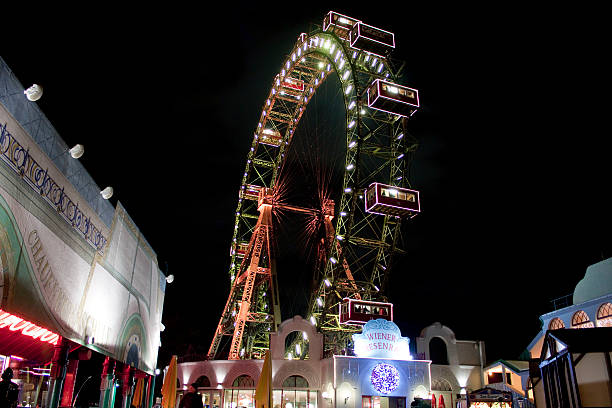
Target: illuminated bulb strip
[(346, 75), (348, 89), (350, 126), (352, 144), (17, 324), (351, 105)]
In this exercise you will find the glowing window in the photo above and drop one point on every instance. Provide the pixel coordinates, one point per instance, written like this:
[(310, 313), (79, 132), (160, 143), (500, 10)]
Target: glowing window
[(385, 378), (580, 320), (604, 315), (555, 324)]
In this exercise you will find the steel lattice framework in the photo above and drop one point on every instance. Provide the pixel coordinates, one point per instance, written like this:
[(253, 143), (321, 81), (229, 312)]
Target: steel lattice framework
[(359, 246)]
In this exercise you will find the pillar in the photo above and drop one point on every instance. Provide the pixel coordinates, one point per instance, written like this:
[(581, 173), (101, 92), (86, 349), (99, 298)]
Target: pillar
[(58, 372), (107, 386), (127, 386), (69, 380), (151, 391)]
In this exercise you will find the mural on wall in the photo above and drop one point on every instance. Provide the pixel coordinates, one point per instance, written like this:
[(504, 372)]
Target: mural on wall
[(51, 275)]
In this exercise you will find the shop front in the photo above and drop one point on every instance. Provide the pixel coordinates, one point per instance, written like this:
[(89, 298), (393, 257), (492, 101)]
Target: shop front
[(69, 286), (27, 349)]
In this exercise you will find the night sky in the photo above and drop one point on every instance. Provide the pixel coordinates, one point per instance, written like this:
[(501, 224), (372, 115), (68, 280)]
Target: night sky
[(513, 162)]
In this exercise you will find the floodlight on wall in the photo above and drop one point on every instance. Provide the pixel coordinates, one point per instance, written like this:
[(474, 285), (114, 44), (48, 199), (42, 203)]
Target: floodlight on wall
[(170, 278), (107, 193), (77, 151), (33, 93)]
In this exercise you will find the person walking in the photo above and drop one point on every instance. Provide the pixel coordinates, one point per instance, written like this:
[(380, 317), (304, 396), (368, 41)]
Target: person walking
[(9, 391), (191, 399)]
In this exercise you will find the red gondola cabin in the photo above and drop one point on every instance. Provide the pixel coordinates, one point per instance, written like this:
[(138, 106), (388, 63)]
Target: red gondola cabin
[(392, 98), (357, 312), (371, 39), (338, 24), (390, 200), (270, 137)]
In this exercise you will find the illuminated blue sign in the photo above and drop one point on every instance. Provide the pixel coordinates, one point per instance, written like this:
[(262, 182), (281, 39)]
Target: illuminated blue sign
[(381, 338)]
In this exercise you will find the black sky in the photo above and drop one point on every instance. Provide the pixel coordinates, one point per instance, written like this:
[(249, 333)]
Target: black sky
[(513, 164)]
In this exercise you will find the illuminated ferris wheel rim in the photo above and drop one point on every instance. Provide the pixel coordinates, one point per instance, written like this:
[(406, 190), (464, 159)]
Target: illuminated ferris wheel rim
[(320, 53), (354, 253), (340, 58)]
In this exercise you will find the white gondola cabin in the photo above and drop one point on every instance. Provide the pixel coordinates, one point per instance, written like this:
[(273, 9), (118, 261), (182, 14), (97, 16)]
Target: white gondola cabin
[(339, 24), (390, 200), (392, 98), (358, 312), (371, 39)]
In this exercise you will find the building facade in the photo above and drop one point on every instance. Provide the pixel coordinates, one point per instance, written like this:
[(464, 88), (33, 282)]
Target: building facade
[(560, 355), (76, 275), (310, 382), (457, 365)]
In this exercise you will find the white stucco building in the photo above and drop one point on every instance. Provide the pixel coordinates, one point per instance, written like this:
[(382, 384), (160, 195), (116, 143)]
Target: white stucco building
[(457, 365), (313, 382)]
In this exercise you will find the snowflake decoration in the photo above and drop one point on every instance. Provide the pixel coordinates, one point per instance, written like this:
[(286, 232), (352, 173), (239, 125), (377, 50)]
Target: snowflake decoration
[(385, 378)]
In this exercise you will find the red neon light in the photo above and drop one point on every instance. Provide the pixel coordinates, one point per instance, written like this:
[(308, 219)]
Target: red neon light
[(15, 324)]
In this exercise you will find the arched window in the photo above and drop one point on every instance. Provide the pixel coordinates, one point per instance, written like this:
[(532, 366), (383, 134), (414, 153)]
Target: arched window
[(437, 351), (580, 320), (294, 393), (604, 315), (243, 381), (440, 384), (297, 346), (555, 324), (203, 381), (296, 381), (242, 393)]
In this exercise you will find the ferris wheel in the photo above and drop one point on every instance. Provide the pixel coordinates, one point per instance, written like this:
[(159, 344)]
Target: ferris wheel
[(361, 231)]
